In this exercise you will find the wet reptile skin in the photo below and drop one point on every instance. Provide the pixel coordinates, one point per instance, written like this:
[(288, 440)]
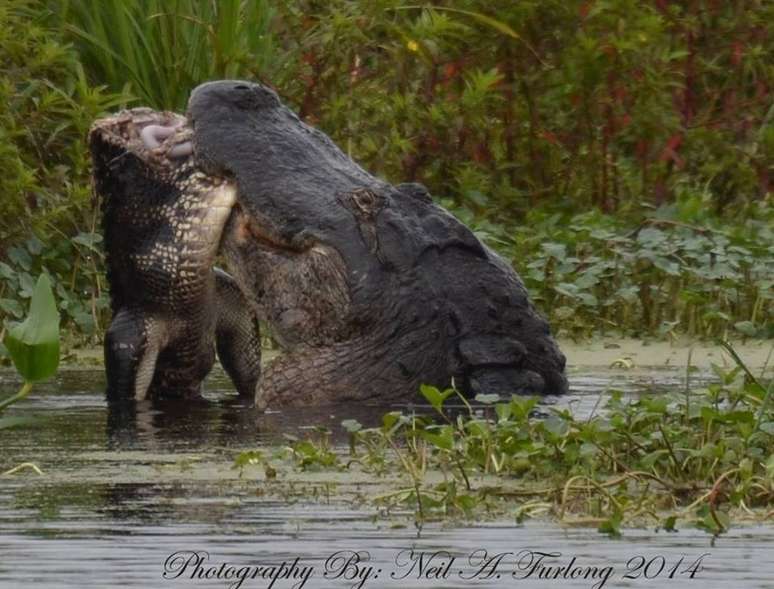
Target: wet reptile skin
[(162, 222), (372, 289)]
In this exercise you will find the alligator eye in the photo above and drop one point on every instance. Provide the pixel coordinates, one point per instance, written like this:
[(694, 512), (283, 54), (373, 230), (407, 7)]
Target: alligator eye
[(241, 87), (364, 199)]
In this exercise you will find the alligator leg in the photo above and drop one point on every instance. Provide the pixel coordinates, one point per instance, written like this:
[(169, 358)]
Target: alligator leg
[(132, 345), (237, 336)]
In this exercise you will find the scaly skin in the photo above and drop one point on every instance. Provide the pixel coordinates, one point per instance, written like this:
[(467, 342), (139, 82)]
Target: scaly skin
[(163, 221), (372, 289)]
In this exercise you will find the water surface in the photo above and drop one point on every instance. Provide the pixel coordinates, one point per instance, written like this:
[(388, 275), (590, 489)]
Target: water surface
[(118, 499)]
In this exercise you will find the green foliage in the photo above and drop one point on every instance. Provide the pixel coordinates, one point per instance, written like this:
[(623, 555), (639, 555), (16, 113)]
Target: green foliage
[(75, 267), (34, 343), (622, 102), (312, 454), (34, 347), (634, 140), (697, 457), (47, 109), (545, 102), (593, 272), (159, 50)]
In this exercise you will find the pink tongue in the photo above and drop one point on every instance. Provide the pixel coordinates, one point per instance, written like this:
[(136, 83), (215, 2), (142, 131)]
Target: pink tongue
[(153, 135), (181, 150)]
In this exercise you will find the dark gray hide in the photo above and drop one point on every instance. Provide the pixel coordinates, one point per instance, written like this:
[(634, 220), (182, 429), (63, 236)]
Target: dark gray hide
[(372, 288)]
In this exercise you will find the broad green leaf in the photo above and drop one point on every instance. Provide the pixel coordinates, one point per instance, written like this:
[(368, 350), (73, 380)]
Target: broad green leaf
[(567, 289), (503, 411), (612, 525), (434, 396), (34, 343), (443, 440), (716, 523), (12, 307), (556, 426), (669, 524), (26, 285), (34, 245), (390, 420), (768, 427), (247, 457), (87, 239), (770, 466), (6, 271), (555, 250), (20, 257)]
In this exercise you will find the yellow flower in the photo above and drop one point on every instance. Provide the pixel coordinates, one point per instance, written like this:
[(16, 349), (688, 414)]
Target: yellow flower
[(413, 46)]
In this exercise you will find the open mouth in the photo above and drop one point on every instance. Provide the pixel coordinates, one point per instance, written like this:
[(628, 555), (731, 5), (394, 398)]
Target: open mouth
[(160, 137), (164, 141), (261, 233)]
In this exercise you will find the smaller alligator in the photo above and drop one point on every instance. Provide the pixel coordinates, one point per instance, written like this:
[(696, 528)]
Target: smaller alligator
[(162, 222)]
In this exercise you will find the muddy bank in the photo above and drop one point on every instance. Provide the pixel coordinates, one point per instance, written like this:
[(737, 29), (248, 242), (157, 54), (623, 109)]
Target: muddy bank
[(631, 353), (602, 353)]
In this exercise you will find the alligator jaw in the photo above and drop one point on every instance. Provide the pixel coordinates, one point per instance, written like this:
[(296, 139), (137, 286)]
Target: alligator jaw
[(163, 223), (160, 138)]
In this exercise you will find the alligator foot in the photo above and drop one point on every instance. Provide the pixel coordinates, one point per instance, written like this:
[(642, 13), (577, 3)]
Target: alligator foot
[(237, 336)]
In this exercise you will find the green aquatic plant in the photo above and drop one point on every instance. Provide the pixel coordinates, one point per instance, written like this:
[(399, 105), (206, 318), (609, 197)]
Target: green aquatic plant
[(33, 346), (663, 277), (703, 458)]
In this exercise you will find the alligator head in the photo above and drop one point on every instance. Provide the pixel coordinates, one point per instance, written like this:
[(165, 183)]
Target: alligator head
[(162, 222), (373, 287), (297, 232), (145, 178)]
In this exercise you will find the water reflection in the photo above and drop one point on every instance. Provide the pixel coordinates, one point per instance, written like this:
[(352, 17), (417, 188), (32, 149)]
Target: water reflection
[(124, 489), (227, 421)]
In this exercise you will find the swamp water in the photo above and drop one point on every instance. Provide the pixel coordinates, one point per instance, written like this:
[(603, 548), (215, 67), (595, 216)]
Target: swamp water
[(136, 505)]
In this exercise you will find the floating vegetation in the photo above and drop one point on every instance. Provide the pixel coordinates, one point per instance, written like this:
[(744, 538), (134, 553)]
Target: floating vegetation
[(593, 273), (701, 458)]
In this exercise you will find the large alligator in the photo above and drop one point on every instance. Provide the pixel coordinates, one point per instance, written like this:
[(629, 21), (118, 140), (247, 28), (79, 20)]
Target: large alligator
[(163, 220), (372, 289)]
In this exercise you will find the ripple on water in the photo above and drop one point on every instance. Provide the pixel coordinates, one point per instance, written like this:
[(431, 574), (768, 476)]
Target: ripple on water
[(117, 500)]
